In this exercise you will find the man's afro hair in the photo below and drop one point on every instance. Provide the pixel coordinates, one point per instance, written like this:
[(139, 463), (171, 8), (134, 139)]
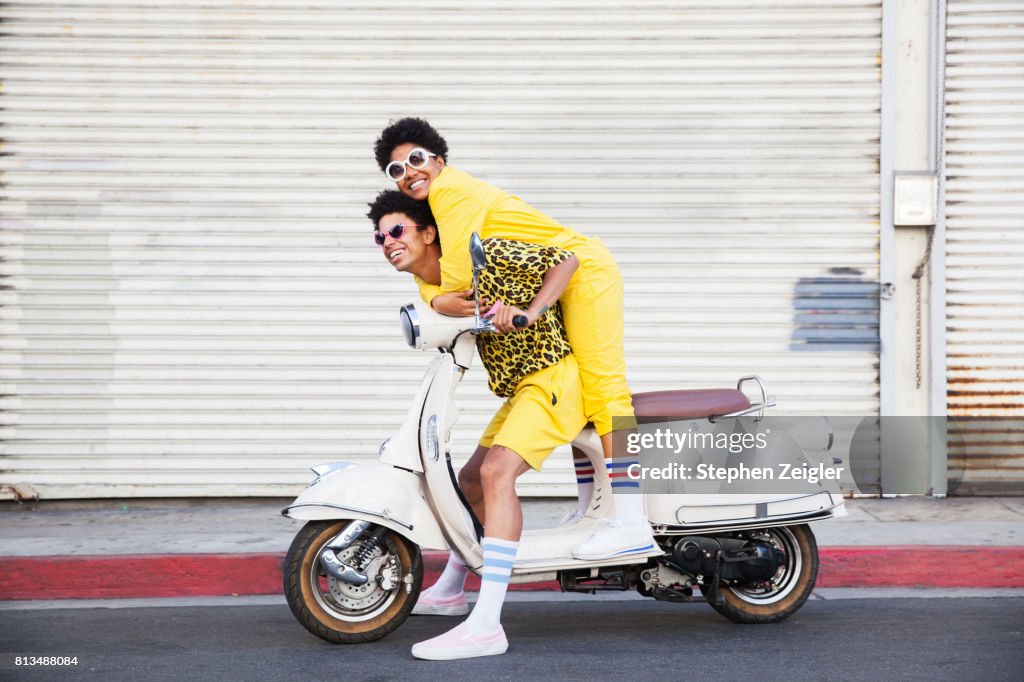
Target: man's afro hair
[(413, 130), (393, 201)]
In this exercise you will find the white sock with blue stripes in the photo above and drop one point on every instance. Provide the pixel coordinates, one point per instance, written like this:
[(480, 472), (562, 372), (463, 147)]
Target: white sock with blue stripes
[(629, 503), (498, 557)]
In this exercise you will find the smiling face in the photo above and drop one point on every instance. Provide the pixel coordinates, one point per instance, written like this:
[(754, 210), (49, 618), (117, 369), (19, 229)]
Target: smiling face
[(407, 252), (416, 183)]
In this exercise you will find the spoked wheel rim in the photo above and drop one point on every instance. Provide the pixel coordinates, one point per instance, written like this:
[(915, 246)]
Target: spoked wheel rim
[(786, 578), (354, 603)]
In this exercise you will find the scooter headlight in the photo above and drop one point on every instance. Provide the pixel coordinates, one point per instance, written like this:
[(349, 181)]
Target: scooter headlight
[(410, 325)]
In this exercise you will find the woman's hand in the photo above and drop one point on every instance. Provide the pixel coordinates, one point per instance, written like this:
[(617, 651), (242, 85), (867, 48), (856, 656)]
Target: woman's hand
[(503, 319), (454, 304)]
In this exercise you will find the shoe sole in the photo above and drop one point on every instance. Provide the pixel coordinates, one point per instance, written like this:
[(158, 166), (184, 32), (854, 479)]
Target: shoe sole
[(455, 654), (419, 610)]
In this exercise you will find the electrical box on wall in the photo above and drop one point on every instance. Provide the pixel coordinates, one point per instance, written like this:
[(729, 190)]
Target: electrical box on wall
[(915, 199)]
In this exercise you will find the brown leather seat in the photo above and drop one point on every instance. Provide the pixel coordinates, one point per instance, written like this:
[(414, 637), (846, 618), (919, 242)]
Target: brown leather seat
[(693, 404)]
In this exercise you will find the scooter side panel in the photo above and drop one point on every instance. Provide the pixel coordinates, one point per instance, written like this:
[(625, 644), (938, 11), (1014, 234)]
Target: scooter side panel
[(725, 508), (374, 492)]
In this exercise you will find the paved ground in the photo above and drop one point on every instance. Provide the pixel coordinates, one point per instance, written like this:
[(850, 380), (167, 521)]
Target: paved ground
[(846, 639)]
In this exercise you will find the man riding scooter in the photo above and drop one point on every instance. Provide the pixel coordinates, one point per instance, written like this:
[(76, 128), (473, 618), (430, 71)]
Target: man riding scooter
[(533, 367)]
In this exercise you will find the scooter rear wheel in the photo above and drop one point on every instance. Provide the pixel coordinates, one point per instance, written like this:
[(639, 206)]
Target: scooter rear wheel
[(788, 589), (341, 612)]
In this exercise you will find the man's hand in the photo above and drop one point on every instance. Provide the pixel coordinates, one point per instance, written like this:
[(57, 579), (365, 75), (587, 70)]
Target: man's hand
[(503, 319), (454, 304)]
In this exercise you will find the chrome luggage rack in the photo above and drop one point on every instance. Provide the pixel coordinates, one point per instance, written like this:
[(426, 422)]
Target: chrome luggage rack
[(766, 401)]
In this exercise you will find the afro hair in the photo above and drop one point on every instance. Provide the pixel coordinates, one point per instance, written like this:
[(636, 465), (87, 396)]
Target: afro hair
[(411, 130), (393, 201)]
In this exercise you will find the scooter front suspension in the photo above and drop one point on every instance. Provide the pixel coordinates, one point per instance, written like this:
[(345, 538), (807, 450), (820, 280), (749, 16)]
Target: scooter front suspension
[(335, 566)]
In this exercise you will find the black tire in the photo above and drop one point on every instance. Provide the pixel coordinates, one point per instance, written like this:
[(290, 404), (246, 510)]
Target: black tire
[(343, 613), (790, 587)]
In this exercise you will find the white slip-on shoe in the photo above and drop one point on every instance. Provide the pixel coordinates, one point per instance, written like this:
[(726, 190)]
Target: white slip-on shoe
[(429, 605), (614, 539), (462, 642)]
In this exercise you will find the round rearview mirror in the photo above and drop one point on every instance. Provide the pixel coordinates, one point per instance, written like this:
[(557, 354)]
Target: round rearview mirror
[(476, 253)]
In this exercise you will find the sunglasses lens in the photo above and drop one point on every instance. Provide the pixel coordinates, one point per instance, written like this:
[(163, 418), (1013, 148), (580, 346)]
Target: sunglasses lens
[(395, 170), (418, 158), (396, 232)]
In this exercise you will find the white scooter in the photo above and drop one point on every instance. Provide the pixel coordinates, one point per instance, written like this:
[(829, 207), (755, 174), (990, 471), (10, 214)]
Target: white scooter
[(354, 571)]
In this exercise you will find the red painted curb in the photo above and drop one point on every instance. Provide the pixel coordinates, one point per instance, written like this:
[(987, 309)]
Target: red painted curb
[(921, 566), (140, 575), (190, 575)]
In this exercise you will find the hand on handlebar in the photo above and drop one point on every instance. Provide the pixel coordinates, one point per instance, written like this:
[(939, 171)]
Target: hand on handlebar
[(510, 318), (455, 304)]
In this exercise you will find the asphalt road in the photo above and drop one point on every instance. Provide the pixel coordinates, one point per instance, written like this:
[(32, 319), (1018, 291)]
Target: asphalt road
[(876, 639)]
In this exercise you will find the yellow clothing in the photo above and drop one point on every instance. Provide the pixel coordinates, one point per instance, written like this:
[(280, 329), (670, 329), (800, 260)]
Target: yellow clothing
[(546, 411), (591, 304)]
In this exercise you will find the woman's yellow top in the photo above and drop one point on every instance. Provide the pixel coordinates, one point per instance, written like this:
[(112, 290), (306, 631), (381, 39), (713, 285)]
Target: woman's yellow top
[(462, 205)]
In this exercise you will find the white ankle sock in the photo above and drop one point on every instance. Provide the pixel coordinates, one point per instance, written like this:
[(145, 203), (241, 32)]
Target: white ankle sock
[(629, 503), (498, 557), (584, 483), (453, 578)]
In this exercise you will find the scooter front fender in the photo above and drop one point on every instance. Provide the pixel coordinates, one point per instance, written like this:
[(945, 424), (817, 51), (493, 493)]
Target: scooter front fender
[(370, 491)]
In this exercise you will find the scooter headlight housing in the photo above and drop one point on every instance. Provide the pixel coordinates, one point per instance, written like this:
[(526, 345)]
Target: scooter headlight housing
[(410, 325)]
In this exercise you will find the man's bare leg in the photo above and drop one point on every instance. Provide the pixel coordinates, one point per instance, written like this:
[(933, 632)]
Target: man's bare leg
[(469, 482), (498, 473), (481, 634)]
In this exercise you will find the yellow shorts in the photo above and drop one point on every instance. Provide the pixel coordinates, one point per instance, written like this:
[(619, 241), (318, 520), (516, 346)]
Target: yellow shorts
[(545, 412), (592, 310)]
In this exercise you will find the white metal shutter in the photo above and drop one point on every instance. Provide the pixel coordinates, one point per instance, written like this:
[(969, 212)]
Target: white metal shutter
[(985, 242), (193, 305)]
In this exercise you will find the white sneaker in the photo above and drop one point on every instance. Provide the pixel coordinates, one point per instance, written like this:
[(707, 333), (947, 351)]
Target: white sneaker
[(570, 518), (613, 539)]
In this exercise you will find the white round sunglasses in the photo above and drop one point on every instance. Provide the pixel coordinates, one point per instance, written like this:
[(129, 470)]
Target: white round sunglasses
[(417, 159)]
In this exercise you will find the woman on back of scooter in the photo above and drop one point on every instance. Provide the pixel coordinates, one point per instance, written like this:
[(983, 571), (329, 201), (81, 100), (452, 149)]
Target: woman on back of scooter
[(537, 373), (414, 155)]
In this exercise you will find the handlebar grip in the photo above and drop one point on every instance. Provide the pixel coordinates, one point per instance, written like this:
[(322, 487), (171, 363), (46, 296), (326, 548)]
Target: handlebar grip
[(520, 321)]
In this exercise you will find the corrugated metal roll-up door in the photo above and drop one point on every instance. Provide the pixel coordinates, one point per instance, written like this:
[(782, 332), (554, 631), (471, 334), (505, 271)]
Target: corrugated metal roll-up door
[(985, 244), (192, 304)]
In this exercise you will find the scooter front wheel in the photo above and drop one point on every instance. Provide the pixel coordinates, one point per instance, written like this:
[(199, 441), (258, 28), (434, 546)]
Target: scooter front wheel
[(776, 599), (342, 612)]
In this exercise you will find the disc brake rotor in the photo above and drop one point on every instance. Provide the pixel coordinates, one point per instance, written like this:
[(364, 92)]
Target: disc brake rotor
[(358, 597)]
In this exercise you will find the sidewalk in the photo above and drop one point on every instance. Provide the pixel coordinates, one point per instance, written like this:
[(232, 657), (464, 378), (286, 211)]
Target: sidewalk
[(153, 548)]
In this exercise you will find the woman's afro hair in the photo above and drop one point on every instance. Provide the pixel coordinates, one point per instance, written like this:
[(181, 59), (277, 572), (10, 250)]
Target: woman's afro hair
[(414, 130), (393, 201)]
